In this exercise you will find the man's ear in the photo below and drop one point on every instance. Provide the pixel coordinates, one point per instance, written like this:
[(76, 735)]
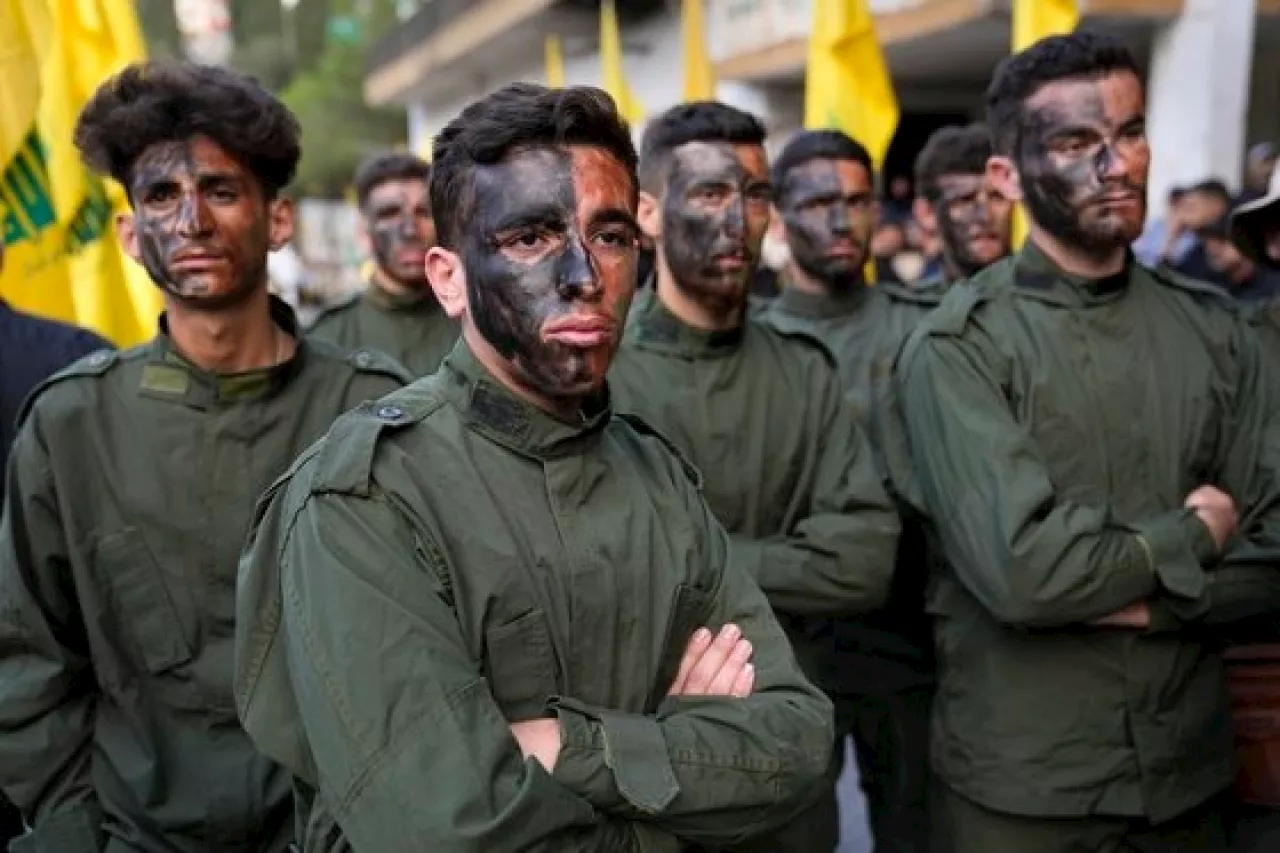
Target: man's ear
[(448, 280), (649, 215), (922, 210), (279, 223), (127, 233), (1003, 177)]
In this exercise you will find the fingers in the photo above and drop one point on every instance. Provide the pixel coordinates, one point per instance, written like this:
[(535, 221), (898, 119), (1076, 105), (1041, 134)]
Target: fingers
[(708, 666), (727, 677), (693, 652), (745, 683)]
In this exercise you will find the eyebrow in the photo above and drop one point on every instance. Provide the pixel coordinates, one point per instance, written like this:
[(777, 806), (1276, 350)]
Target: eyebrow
[(545, 214), (614, 216)]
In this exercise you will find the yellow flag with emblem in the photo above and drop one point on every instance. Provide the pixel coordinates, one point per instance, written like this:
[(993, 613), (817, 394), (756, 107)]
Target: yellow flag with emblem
[(1034, 20), (847, 84), (555, 62), (699, 76), (614, 77), (35, 275)]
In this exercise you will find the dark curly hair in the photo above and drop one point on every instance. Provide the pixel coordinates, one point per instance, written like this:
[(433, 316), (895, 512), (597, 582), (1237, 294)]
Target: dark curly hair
[(154, 102), (518, 116), (1017, 78), (952, 150), (700, 121), (386, 166), (817, 145)]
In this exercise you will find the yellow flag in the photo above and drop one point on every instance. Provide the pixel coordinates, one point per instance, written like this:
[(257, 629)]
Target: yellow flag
[(1032, 21), (847, 84), (699, 76), (34, 277), (614, 77), (555, 62)]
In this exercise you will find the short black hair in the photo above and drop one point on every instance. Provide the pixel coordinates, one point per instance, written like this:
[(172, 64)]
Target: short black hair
[(1077, 56), (515, 117), (1212, 187), (155, 102), (952, 150), (809, 145), (386, 166), (699, 121)]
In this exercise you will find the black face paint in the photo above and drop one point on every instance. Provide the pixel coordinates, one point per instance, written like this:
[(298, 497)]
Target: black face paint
[(527, 266), (1063, 193), (704, 229), (393, 223), (967, 213), (822, 235), (189, 250)]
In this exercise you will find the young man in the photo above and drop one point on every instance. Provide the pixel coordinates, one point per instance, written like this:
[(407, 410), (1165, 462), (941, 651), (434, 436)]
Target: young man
[(972, 218), (132, 484), (1099, 448), (473, 616), (760, 413), (396, 312), (882, 676)]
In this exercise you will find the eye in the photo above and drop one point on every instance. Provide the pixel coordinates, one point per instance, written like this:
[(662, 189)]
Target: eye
[(616, 238), (225, 194), (708, 195), (161, 194)]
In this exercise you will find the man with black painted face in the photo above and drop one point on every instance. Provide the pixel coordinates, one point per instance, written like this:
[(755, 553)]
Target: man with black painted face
[(972, 218), (1098, 446), (396, 312), (490, 614), (760, 412), (132, 484), (879, 671)]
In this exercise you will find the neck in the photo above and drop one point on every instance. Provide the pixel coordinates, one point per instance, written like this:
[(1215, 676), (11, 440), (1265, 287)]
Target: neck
[(1076, 261), (392, 287), (705, 314), (952, 271), (235, 339), (568, 410)]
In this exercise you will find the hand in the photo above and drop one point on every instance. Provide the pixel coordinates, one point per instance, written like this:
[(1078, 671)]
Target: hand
[(719, 666), (1216, 510), (1134, 616), (539, 739)]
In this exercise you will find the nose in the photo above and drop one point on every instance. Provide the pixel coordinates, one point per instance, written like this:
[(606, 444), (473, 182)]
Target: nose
[(838, 221), (735, 217), (575, 276), (1108, 163), (194, 219)]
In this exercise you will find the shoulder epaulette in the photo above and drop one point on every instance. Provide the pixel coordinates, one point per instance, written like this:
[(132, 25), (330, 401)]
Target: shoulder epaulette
[(93, 365), (345, 463), (336, 308), (1172, 278), (952, 314), (797, 333), (643, 427), (368, 360)]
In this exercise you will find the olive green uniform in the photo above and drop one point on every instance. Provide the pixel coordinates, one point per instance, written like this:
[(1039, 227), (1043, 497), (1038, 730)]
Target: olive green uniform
[(414, 330), (452, 560), (882, 675), (131, 487), (787, 470), (1058, 424)]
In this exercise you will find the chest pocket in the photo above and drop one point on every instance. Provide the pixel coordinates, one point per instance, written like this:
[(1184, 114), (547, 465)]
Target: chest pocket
[(520, 665), (141, 606)]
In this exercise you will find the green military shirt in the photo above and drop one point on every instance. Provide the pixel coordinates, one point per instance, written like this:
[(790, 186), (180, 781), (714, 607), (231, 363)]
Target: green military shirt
[(1058, 424), (414, 330), (451, 560), (131, 487), (863, 328), (787, 469)]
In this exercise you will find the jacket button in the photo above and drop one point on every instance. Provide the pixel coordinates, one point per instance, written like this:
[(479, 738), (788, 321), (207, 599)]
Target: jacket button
[(363, 359), (390, 413), (97, 359)]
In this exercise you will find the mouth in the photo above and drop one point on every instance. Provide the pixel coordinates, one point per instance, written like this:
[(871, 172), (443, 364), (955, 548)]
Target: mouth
[(842, 252), (411, 257), (584, 331), (196, 261)]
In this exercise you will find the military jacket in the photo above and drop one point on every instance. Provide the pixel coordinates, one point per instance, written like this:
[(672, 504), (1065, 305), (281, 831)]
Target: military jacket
[(453, 560), (1058, 424), (414, 331), (864, 328), (131, 487), (787, 469)]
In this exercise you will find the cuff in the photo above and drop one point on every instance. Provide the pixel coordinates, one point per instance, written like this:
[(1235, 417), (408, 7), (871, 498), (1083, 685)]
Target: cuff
[(603, 751), (1177, 546)]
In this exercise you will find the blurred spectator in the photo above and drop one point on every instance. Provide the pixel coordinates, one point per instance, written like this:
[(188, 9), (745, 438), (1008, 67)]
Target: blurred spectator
[(1255, 227), (1154, 245), (897, 201), (1205, 204), (1234, 270), (888, 241), (1259, 164)]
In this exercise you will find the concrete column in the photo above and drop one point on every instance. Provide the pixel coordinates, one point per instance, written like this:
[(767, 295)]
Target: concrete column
[(1198, 96), (419, 130)]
